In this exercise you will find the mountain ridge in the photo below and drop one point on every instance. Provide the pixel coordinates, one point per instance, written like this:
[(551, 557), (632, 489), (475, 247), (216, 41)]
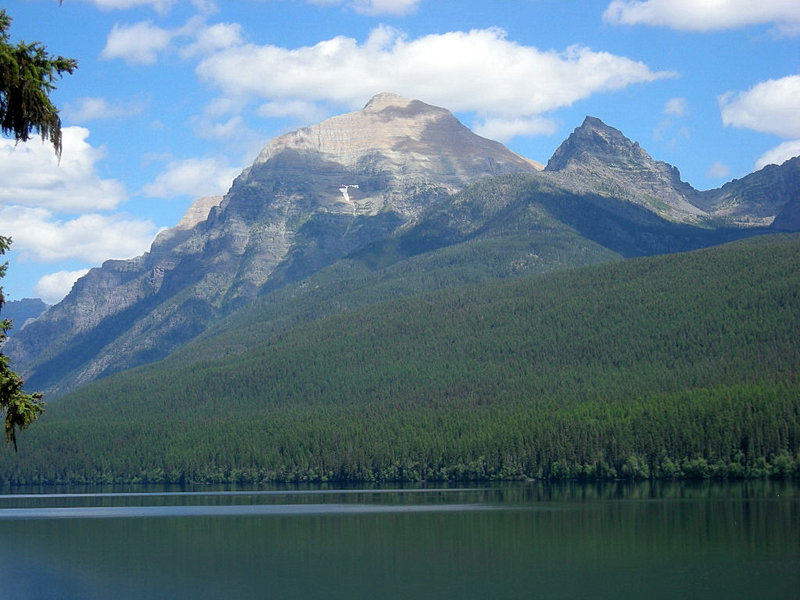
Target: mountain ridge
[(383, 179)]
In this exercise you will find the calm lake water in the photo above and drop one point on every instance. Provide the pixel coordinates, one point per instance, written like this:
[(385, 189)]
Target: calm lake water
[(648, 540)]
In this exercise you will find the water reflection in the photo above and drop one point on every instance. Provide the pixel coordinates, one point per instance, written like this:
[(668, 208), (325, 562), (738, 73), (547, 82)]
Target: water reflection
[(508, 541)]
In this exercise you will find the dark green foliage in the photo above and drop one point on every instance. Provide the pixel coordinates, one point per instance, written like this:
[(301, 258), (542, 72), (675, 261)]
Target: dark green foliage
[(27, 73), (673, 366), (19, 409)]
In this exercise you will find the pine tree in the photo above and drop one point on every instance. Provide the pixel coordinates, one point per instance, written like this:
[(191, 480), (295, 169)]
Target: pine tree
[(20, 409), (27, 73)]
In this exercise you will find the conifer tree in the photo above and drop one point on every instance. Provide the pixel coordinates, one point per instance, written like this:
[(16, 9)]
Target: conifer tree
[(27, 73), (19, 408)]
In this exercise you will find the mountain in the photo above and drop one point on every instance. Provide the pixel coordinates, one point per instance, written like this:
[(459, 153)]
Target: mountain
[(309, 198), (681, 365), (768, 197), (20, 312), (599, 159), (396, 198)]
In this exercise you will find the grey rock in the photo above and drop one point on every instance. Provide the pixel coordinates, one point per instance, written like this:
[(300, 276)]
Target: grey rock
[(310, 197)]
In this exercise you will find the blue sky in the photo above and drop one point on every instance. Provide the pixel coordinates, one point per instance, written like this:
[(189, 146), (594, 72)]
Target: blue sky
[(173, 98)]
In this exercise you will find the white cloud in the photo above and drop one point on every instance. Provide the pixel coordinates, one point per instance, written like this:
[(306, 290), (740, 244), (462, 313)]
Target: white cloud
[(307, 112), (231, 129), (676, 107), (138, 43), (160, 6), (208, 39), (769, 107), (193, 177), (33, 176), (779, 154), (92, 109), (479, 71), (503, 130), (718, 170), (705, 15), (385, 7), (374, 7), (53, 287), (39, 236), (207, 7), (141, 43)]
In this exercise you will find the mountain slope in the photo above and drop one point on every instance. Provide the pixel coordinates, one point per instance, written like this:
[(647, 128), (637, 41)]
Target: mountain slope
[(397, 181), (310, 198), (678, 365)]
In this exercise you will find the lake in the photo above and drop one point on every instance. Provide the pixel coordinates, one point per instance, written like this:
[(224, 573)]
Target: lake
[(523, 540)]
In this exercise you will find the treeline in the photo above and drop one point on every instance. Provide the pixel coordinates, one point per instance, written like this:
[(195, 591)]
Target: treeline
[(681, 366)]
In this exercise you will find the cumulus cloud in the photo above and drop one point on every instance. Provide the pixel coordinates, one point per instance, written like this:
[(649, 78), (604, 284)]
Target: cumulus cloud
[(93, 109), (769, 107), (503, 130), (478, 71), (161, 6), (53, 287), (33, 176), (374, 7), (193, 177), (208, 39), (705, 15), (40, 236), (779, 154), (137, 43), (307, 112), (142, 42)]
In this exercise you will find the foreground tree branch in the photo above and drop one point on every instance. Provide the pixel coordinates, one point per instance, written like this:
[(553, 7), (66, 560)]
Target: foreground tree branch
[(19, 408), (27, 75)]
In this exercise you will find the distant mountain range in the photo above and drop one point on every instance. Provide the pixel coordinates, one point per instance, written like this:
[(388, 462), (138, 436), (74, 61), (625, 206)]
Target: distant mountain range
[(394, 199), (20, 312)]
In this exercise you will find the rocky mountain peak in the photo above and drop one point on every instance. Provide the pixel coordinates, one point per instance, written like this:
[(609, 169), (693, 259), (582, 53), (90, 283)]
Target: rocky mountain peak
[(394, 134), (597, 152), (386, 100), (194, 215), (594, 140), (395, 152)]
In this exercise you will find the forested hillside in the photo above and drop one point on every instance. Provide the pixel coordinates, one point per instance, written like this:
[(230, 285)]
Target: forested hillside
[(671, 366)]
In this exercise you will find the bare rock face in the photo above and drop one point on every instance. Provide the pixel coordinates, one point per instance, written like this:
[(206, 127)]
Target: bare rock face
[(599, 159), (384, 156), (311, 197), (768, 197)]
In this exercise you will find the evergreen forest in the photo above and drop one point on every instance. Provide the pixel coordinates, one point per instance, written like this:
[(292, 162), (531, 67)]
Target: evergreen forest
[(672, 366)]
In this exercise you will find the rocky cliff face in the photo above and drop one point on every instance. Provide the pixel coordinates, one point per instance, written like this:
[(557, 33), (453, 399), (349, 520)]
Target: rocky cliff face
[(599, 159), (759, 199), (310, 197)]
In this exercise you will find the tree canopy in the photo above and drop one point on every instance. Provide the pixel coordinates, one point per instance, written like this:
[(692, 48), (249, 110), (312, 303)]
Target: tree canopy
[(27, 73), (20, 409)]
